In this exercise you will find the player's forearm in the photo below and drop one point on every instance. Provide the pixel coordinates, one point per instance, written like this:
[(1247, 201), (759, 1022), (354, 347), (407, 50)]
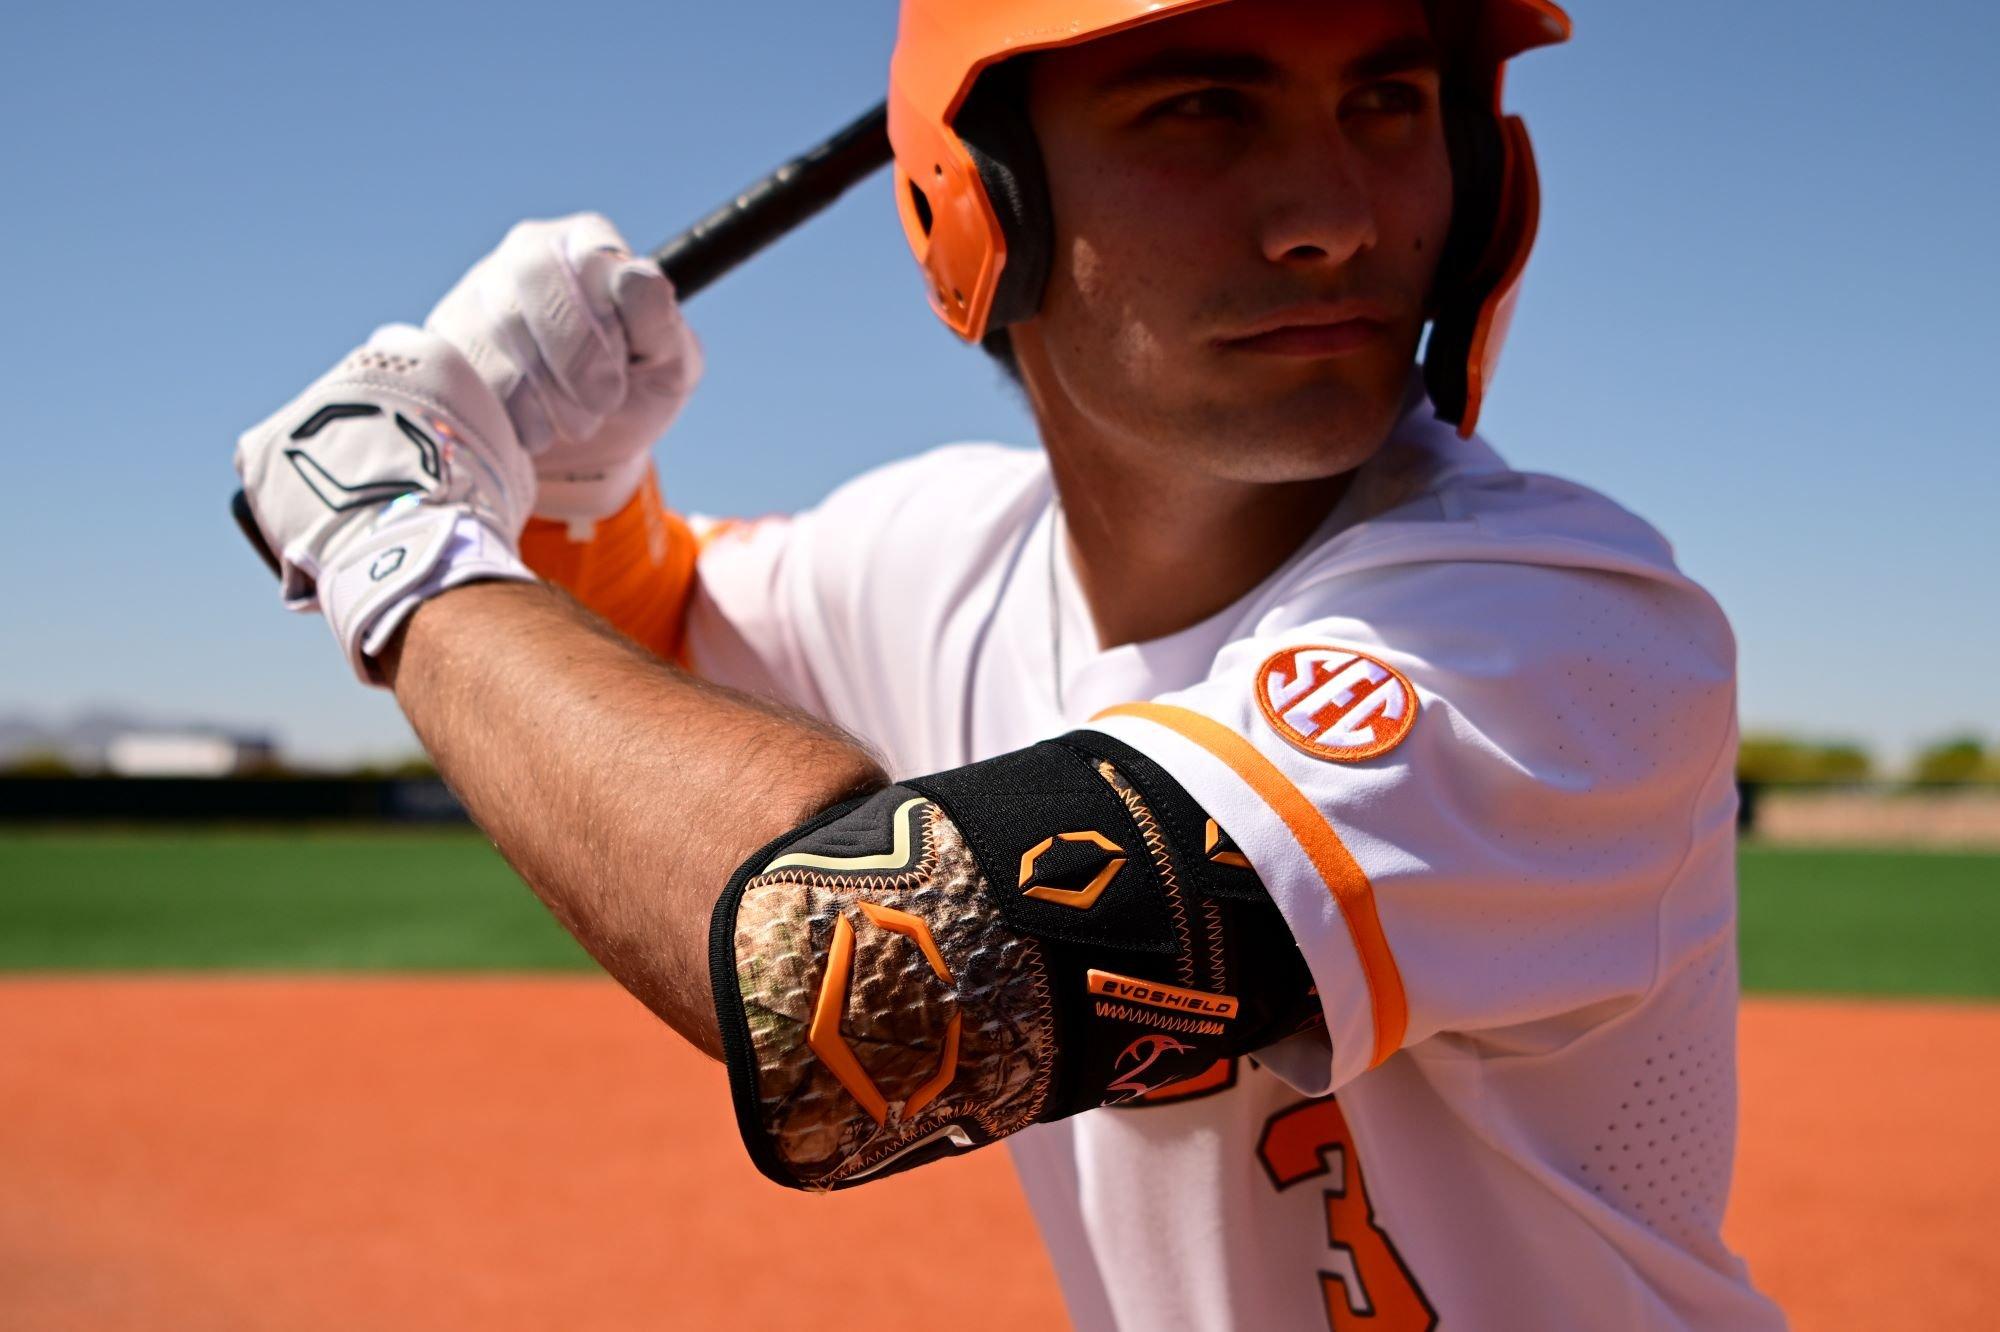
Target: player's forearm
[(623, 791)]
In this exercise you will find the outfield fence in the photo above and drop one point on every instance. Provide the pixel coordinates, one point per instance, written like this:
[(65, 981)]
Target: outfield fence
[(226, 800), (1880, 814), (1964, 816)]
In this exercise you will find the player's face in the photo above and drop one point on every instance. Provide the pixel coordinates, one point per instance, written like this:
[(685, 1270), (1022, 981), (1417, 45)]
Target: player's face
[(1250, 202)]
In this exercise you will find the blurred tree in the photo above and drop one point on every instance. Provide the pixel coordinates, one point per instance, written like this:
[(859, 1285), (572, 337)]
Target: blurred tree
[(415, 768), (1843, 763), (1765, 758), (1962, 759), (38, 763)]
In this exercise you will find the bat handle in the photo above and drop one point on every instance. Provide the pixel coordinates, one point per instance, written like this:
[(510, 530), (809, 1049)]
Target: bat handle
[(246, 522), (776, 205)]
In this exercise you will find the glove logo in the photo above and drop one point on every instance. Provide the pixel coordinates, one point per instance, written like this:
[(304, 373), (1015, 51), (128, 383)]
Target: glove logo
[(1334, 703), (339, 495), (387, 563)]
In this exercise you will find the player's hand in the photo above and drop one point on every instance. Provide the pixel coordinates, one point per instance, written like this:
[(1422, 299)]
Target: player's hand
[(395, 476), (586, 348)]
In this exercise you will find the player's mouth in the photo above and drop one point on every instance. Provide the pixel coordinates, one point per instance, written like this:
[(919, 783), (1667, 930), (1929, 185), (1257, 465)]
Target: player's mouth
[(1321, 329)]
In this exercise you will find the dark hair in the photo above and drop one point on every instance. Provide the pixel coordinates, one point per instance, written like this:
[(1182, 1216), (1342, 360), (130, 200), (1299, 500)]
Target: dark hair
[(999, 344)]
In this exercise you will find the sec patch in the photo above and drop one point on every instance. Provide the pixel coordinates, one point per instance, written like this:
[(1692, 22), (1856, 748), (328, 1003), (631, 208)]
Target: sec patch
[(1335, 703)]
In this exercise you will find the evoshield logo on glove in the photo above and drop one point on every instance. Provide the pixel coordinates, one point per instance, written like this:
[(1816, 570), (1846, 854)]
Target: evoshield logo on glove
[(341, 496), (387, 563), (1336, 704)]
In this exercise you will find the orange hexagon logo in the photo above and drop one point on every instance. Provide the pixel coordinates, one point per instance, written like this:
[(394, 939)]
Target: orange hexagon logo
[(1336, 703), (1102, 866), (825, 1038)]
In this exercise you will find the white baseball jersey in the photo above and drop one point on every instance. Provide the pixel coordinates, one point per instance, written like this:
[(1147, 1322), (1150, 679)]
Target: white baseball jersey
[(1477, 738)]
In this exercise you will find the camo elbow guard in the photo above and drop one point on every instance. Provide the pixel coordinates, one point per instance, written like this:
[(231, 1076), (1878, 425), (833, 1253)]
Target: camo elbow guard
[(954, 958)]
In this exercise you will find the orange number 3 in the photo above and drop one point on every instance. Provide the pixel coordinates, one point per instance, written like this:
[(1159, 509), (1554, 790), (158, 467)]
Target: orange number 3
[(1367, 1288)]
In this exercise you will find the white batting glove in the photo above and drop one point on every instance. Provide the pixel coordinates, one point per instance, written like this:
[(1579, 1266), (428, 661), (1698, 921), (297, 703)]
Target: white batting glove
[(586, 347), (394, 477)]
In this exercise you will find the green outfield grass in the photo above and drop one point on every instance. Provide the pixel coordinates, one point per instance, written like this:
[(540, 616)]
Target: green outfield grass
[(1870, 922), (1828, 922), (304, 900)]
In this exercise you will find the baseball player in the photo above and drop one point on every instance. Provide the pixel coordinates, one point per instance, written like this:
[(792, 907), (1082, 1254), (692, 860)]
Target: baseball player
[(1305, 839)]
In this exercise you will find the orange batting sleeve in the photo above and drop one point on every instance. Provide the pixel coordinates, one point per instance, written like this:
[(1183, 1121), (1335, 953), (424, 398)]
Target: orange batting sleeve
[(636, 570)]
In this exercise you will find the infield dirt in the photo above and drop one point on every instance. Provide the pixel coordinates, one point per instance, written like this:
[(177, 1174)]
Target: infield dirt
[(534, 1153)]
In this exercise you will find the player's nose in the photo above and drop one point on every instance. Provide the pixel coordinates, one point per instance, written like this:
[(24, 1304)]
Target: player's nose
[(1321, 211)]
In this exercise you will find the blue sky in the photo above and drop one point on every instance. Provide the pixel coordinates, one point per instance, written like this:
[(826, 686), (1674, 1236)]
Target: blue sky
[(1759, 315)]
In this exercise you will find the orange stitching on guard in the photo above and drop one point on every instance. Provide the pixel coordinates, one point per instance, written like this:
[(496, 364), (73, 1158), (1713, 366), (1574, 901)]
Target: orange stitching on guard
[(1187, 1026), (1314, 691), (1212, 912), (915, 877), (1156, 847), (1344, 879)]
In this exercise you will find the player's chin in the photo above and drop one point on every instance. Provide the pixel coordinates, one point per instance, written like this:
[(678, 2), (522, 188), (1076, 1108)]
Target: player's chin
[(1317, 426), (1301, 443)]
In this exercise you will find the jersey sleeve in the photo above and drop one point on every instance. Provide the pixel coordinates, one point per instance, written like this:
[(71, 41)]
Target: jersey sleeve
[(836, 610), (1470, 788), (842, 610)]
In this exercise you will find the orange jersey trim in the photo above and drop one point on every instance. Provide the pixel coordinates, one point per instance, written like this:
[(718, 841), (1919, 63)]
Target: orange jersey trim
[(637, 570), (1337, 868)]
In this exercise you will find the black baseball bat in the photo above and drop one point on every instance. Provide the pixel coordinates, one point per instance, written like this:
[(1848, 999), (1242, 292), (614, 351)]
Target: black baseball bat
[(746, 225)]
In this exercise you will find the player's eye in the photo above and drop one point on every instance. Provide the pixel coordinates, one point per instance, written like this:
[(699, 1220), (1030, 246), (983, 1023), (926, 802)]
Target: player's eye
[(1392, 98), (1206, 105)]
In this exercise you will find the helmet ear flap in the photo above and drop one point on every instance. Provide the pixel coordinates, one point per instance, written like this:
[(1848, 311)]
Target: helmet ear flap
[(1495, 215), (1473, 142), (994, 127)]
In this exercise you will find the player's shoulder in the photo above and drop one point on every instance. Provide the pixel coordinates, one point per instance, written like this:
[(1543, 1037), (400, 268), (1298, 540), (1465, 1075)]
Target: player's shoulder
[(1533, 617), (1447, 537), (1469, 506)]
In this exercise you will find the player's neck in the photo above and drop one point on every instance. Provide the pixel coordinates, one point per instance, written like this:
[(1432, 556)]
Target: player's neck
[(1156, 552)]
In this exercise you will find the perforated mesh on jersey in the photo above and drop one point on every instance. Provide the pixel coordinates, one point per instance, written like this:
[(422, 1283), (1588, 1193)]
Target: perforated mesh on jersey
[(1603, 727), (1625, 631), (1662, 1148)]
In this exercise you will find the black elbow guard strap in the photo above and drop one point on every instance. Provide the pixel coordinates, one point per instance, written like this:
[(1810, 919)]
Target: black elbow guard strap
[(952, 959)]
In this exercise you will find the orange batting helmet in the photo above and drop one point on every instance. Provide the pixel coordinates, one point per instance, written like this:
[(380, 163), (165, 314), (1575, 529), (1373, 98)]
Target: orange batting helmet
[(973, 220)]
